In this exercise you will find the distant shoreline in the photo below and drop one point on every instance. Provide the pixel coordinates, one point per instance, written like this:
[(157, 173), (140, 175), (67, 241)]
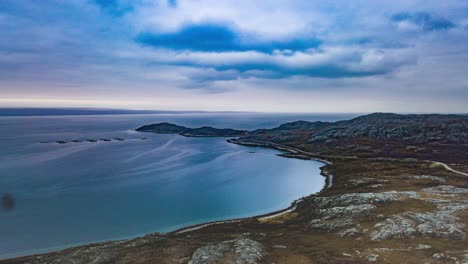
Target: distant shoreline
[(86, 111)]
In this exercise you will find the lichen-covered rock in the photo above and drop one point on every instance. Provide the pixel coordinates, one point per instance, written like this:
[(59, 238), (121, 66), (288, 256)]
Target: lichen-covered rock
[(341, 216), (239, 251), (393, 227), (341, 211), (210, 254), (447, 190), (441, 223), (361, 198), (351, 211), (351, 232), (428, 177), (422, 246), (248, 251), (372, 258), (438, 224), (445, 258)]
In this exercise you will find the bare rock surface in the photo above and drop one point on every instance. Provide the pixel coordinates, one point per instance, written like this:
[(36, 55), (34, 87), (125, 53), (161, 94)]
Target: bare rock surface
[(428, 177), (442, 222), (393, 227), (239, 251), (340, 211)]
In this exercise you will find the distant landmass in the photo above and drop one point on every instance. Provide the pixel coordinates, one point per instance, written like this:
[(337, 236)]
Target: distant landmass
[(437, 136), (84, 111), (168, 128)]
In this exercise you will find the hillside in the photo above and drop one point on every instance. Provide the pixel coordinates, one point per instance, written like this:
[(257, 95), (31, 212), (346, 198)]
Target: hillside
[(440, 137)]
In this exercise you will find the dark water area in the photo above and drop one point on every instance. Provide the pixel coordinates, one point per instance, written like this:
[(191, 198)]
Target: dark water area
[(57, 195)]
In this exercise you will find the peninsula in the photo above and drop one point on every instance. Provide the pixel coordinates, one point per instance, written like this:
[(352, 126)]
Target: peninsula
[(396, 192)]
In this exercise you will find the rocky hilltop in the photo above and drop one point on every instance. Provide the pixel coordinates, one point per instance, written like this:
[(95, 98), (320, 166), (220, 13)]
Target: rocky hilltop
[(440, 137), (389, 198), (416, 129), (168, 128)]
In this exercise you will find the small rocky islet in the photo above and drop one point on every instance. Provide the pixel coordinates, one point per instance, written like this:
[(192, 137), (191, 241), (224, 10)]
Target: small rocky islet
[(91, 140), (396, 192)]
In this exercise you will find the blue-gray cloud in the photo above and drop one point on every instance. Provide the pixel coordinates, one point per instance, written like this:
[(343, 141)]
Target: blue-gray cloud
[(114, 7), (267, 70), (219, 38), (172, 3), (425, 20)]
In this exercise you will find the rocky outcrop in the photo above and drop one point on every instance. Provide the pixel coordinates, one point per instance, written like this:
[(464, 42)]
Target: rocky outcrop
[(239, 251), (339, 217), (248, 251), (340, 211), (210, 253), (361, 198), (351, 232), (442, 222), (393, 227), (428, 177)]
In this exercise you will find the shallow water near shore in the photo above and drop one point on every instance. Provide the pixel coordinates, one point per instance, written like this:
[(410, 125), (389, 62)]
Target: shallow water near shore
[(84, 191)]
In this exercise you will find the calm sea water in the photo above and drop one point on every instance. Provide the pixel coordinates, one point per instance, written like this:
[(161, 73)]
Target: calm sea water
[(69, 194)]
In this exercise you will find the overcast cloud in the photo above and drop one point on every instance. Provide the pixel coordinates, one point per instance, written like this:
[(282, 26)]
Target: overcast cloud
[(281, 56)]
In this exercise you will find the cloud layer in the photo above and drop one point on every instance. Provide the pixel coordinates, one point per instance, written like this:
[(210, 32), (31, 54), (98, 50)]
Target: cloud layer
[(373, 51)]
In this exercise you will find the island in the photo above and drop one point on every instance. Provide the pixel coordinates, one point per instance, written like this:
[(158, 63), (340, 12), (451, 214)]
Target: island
[(168, 128), (396, 192)]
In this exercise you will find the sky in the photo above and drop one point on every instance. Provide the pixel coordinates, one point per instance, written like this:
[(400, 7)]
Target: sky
[(236, 55)]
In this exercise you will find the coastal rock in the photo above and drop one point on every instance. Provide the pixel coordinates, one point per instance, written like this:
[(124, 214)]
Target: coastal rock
[(239, 251)]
